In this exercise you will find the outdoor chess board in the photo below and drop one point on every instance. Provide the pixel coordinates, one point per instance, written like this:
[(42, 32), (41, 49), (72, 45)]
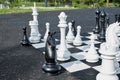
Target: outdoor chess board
[(77, 65)]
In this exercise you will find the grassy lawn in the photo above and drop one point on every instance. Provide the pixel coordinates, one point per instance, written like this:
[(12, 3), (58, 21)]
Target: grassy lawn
[(19, 10), (29, 4)]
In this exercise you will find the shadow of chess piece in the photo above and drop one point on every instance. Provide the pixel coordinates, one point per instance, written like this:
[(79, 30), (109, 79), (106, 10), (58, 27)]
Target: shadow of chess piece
[(51, 66), (25, 41)]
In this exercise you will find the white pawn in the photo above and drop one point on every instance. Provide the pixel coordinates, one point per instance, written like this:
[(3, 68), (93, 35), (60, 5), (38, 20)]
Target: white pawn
[(70, 37), (47, 30), (77, 41), (92, 55)]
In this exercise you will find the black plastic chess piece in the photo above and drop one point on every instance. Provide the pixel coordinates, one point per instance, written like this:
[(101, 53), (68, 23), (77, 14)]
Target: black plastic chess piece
[(103, 26), (116, 18), (73, 27), (51, 66), (96, 30), (119, 18), (107, 21), (25, 41)]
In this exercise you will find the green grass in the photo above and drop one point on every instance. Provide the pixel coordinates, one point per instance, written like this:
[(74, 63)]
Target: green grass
[(19, 10)]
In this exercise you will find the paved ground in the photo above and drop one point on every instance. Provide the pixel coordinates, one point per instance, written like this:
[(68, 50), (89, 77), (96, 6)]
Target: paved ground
[(24, 63)]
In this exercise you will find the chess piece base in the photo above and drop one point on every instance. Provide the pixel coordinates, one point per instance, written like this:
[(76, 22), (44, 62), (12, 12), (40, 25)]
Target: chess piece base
[(34, 40), (63, 55), (25, 43), (101, 76), (51, 68)]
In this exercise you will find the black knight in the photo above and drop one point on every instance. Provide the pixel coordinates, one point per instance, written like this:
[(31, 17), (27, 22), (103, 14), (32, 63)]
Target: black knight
[(51, 66)]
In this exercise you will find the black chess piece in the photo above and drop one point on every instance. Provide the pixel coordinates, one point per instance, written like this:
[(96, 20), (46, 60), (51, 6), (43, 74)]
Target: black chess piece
[(107, 21), (103, 26), (96, 30), (73, 27), (25, 41), (116, 18), (51, 66), (119, 18)]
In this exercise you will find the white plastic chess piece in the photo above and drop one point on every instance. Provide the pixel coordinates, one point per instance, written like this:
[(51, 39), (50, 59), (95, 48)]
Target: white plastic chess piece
[(63, 54), (47, 30), (117, 68), (109, 50), (35, 36), (35, 13), (77, 41), (92, 55), (70, 37)]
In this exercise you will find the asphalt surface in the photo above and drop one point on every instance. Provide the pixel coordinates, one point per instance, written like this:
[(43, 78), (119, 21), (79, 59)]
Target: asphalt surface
[(24, 63)]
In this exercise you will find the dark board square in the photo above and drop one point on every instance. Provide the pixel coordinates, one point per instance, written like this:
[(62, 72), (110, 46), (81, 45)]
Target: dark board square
[(92, 64), (74, 50), (86, 74)]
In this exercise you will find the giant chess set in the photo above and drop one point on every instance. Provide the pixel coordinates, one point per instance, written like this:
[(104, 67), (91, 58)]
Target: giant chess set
[(96, 52)]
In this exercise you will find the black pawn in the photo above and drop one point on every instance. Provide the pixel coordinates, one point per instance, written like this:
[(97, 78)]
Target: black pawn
[(51, 66), (73, 27), (25, 41), (103, 26), (116, 18), (96, 30), (107, 21), (119, 18)]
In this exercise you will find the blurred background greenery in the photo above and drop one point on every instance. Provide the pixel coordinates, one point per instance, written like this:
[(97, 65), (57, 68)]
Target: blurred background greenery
[(57, 4)]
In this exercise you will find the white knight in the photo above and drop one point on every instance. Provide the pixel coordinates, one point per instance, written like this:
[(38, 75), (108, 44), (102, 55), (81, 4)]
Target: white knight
[(108, 51)]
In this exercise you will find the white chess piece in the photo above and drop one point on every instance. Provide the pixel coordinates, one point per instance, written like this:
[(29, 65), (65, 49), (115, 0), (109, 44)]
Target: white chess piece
[(35, 13), (117, 68), (109, 50), (77, 41), (35, 36), (92, 55), (47, 30), (63, 54), (70, 37)]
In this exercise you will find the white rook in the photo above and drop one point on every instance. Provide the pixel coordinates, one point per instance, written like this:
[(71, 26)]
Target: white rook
[(63, 54)]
